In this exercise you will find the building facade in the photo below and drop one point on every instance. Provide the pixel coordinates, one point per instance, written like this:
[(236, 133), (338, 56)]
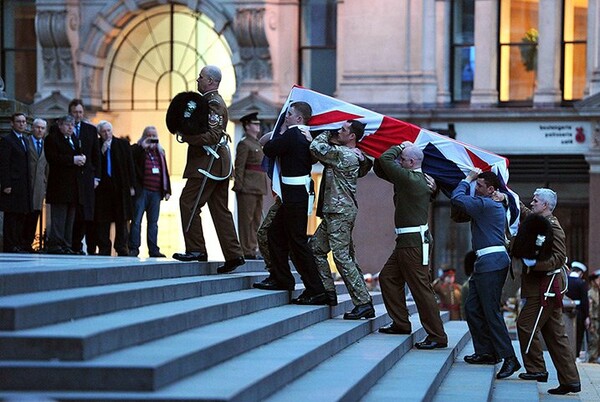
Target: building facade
[(520, 78)]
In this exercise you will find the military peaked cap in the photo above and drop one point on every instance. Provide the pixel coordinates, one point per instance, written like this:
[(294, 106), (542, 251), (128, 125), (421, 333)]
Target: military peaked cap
[(250, 118), (187, 114)]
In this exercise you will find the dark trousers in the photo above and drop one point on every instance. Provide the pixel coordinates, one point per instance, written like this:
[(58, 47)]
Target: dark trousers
[(121, 238), (553, 330), (81, 229), (14, 233), (62, 217), (405, 267), (286, 234), (484, 317)]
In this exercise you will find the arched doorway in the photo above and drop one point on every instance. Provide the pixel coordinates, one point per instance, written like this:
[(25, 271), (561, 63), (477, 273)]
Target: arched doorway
[(158, 54)]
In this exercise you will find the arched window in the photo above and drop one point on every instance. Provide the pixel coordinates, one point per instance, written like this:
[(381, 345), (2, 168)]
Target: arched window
[(159, 54)]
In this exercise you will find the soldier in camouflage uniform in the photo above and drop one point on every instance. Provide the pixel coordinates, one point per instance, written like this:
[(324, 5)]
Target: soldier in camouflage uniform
[(594, 325), (340, 157)]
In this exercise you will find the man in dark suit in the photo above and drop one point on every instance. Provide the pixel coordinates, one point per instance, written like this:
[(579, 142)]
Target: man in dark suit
[(287, 232), (15, 195), (113, 194), (87, 137), (578, 292), (65, 162), (209, 178), (38, 177)]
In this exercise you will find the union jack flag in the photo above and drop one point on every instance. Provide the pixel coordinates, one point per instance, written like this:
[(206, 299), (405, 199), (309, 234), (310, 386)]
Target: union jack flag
[(448, 161)]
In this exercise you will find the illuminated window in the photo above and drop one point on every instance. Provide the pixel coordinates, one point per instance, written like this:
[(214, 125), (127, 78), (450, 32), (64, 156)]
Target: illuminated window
[(518, 49), (463, 49), (18, 62), (318, 45), (574, 48), (160, 54)]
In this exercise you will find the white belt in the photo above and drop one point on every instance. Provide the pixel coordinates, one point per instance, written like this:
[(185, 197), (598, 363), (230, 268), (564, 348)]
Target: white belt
[(424, 239), (301, 181), (490, 250)]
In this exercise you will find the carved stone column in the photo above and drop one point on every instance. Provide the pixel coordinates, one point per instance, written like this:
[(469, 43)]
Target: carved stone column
[(56, 28), (255, 72)]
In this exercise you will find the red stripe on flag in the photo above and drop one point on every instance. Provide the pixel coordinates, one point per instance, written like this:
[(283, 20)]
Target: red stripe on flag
[(332, 117), (390, 132), (477, 161)]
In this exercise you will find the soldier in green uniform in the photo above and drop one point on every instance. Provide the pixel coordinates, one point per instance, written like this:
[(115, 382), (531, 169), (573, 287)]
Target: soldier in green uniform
[(594, 327), (341, 160), (250, 184)]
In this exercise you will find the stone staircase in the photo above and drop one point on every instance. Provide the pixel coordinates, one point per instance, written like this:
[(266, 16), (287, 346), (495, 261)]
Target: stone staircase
[(102, 328)]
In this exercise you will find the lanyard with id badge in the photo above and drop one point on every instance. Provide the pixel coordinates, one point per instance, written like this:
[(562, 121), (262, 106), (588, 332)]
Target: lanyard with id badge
[(155, 168)]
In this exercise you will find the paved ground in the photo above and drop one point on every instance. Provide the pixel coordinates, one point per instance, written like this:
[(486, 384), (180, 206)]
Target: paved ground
[(590, 382)]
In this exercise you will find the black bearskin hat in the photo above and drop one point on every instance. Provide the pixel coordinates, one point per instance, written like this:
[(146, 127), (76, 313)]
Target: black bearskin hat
[(534, 239), (187, 114)]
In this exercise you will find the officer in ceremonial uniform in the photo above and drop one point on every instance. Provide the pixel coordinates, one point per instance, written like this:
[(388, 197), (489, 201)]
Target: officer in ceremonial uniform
[(208, 169), (341, 160), (449, 293), (541, 285), (250, 185)]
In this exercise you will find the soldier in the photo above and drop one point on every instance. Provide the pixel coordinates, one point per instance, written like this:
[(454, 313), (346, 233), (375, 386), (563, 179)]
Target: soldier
[(449, 293), (594, 327), (209, 179), (541, 294), (338, 153), (250, 185)]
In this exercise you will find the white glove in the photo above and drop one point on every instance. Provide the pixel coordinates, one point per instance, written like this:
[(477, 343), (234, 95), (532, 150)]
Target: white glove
[(528, 262)]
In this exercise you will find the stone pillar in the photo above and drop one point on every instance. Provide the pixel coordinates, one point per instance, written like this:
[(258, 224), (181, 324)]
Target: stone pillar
[(443, 44), (485, 89), (549, 47), (593, 158), (593, 47), (255, 70), (56, 26)]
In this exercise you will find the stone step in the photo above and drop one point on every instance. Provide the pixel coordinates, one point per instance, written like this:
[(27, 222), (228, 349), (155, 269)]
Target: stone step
[(29, 310), (37, 273), (417, 376), (360, 365), (155, 364), (479, 387), (93, 336)]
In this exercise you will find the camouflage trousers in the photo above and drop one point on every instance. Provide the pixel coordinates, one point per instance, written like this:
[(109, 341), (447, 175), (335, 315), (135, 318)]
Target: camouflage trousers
[(261, 234), (594, 341), (335, 234)]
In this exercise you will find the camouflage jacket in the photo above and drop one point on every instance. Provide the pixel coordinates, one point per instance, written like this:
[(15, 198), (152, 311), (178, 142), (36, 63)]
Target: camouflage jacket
[(341, 173)]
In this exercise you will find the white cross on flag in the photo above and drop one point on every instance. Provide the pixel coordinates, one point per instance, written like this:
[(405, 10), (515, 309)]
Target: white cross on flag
[(446, 160)]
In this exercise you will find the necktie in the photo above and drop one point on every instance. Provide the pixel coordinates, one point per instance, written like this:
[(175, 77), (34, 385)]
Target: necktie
[(23, 143), (71, 142), (39, 147), (77, 130), (108, 163)]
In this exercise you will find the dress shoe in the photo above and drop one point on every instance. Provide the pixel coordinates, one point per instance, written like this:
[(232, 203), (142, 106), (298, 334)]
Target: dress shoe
[(509, 367), (362, 311), (331, 298), (539, 377), (157, 255), (427, 344), (231, 265), (314, 300), (392, 329), (250, 257), (563, 389), (269, 284), (191, 256), (484, 358)]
